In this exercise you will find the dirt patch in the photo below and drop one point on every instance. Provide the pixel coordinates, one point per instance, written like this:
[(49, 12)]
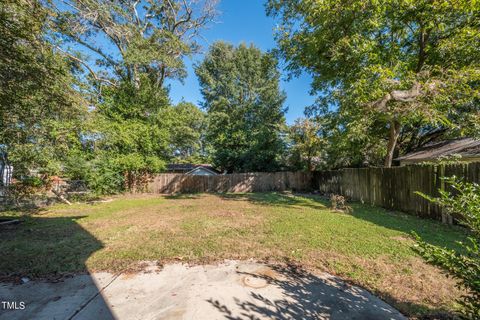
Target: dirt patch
[(228, 214), (402, 238), (269, 273)]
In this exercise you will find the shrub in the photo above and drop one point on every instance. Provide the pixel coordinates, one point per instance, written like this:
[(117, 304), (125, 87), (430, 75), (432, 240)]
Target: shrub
[(339, 203), (25, 188), (463, 265), (104, 177), (76, 167)]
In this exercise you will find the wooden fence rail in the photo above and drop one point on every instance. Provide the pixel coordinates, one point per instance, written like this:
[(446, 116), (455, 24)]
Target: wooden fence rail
[(238, 182), (394, 188)]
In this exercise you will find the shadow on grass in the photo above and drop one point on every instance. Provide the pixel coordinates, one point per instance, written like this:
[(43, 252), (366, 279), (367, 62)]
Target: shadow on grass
[(431, 231), (418, 311), (25, 210), (180, 196), (285, 199), (50, 249), (44, 246), (282, 199)]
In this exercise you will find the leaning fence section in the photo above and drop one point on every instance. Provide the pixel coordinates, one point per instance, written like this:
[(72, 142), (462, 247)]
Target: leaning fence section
[(238, 182), (395, 188)]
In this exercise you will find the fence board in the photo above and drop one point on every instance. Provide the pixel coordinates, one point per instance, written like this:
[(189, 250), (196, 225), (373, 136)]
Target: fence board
[(238, 182), (394, 188)]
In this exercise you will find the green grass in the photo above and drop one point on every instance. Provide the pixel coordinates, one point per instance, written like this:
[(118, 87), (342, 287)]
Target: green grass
[(370, 247)]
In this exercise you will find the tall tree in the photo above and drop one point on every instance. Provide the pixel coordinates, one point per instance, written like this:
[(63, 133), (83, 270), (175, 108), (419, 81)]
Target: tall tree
[(131, 133), (187, 133), (244, 104), (120, 40), (398, 62), (134, 132), (41, 114), (127, 50), (307, 144)]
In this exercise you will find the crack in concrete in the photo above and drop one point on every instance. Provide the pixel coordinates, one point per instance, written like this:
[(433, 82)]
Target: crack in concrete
[(84, 305)]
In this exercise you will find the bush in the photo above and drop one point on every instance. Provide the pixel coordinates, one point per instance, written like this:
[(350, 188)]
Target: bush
[(464, 265), (104, 177), (25, 188), (339, 203), (76, 167)]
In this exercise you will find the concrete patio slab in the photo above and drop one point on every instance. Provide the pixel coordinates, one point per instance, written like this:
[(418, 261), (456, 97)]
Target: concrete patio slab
[(231, 290)]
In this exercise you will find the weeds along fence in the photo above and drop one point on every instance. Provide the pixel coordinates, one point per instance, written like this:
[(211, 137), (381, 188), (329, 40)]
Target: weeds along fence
[(238, 182), (394, 188)]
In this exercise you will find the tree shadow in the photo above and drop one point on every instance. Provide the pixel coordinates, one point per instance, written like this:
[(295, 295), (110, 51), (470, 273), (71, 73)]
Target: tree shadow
[(183, 196), (23, 210), (40, 256), (305, 296), (431, 231), (419, 311), (278, 199)]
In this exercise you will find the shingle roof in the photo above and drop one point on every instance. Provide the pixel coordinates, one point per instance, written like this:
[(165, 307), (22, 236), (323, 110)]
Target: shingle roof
[(186, 167), (465, 147), (203, 168)]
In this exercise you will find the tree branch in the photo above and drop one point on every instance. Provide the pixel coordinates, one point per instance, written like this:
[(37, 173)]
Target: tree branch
[(90, 70), (399, 95)]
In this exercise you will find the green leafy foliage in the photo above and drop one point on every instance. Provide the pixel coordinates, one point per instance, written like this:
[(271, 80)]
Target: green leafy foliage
[(384, 67), (244, 104), (104, 176), (133, 133), (123, 40), (464, 266), (130, 141), (186, 128), (40, 112), (307, 145), (130, 130)]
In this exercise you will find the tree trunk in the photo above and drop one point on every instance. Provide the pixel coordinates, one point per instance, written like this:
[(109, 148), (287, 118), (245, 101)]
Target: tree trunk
[(61, 197), (309, 163), (392, 141), (136, 78)]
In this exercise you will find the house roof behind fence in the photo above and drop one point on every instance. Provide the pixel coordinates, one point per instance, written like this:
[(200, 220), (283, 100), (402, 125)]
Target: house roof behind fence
[(465, 147), (186, 167)]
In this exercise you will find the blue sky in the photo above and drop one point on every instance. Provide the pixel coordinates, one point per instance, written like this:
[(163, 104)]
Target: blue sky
[(244, 21)]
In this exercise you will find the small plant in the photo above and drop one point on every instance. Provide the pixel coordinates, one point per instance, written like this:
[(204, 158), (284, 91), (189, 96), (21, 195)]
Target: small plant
[(339, 203), (464, 265), (443, 160), (25, 188)]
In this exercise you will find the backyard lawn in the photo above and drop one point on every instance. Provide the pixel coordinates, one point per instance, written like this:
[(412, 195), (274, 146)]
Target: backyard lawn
[(369, 246)]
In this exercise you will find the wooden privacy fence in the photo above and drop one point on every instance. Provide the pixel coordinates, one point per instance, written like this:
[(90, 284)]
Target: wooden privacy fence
[(391, 188), (238, 182), (394, 188)]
